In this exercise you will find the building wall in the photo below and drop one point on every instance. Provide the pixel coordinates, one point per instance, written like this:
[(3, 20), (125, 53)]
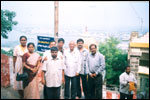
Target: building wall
[(138, 56), (5, 73)]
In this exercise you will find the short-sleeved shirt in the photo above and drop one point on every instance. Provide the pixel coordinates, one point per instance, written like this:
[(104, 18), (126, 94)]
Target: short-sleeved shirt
[(18, 51), (53, 72), (48, 54)]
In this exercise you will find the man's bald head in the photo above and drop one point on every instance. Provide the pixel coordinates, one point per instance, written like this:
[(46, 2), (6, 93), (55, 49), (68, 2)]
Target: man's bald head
[(71, 45)]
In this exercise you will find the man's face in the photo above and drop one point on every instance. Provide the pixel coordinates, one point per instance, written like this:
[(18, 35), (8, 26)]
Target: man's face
[(23, 41), (93, 50), (71, 46), (54, 54), (80, 45), (52, 44), (128, 70), (60, 44)]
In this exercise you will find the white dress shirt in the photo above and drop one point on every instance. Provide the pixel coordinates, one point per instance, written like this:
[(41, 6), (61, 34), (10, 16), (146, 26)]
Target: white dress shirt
[(72, 62), (124, 79)]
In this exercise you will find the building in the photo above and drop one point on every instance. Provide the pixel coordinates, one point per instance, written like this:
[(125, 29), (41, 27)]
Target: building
[(88, 39), (138, 58)]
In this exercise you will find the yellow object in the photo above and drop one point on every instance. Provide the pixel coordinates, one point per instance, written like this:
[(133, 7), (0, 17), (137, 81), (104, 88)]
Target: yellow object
[(131, 86), (142, 45)]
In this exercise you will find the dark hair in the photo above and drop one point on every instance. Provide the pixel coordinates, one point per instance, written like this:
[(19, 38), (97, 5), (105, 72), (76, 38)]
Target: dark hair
[(30, 44), (52, 41), (80, 40), (127, 67), (61, 39), (23, 37), (54, 49), (92, 45)]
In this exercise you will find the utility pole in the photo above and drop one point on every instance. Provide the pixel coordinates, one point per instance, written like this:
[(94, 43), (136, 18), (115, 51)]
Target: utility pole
[(56, 21)]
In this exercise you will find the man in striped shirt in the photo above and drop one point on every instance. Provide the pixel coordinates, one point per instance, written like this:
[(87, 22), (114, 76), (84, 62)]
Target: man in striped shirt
[(84, 70)]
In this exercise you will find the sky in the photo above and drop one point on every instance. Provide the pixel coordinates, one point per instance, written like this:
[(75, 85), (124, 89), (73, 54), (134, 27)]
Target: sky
[(107, 16)]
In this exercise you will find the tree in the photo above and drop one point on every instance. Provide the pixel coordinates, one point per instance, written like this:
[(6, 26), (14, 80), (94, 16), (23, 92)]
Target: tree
[(115, 58), (7, 22)]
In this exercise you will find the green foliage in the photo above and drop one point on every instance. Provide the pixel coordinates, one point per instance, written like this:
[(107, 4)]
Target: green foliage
[(115, 58), (8, 53), (7, 22)]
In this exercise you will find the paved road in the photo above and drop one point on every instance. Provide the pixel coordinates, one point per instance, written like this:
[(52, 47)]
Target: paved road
[(9, 93)]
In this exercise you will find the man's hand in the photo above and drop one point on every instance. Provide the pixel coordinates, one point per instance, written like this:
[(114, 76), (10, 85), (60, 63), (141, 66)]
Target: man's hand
[(91, 75), (77, 74), (45, 58), (94, 75)]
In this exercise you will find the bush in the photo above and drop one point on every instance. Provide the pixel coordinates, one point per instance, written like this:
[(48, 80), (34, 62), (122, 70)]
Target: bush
[(115, 59)]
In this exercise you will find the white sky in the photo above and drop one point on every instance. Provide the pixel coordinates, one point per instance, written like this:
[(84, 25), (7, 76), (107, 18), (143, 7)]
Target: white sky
[(106, 15)]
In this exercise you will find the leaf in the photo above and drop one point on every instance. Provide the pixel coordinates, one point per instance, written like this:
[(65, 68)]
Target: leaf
[(115, 59), (7, 22)]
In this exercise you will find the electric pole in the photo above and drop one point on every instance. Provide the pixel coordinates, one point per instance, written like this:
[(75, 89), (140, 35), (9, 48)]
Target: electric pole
[(56, 21)]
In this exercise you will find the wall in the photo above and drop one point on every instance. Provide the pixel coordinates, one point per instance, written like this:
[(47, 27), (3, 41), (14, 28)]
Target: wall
[(5, 73)]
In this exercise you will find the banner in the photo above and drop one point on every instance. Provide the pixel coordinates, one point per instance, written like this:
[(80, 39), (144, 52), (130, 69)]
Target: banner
[(43, 43)]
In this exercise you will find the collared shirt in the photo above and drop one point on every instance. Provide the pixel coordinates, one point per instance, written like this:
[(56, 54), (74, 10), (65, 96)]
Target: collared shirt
[(48, 54), (72, 62), (53, 72), (96, 63), (124, 79), (84, 64)]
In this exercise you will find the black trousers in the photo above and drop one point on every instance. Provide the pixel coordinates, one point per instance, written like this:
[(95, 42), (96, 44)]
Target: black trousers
[(95, 87), (84, 85), (123, 96), (44, 92), (53, 92), (67, 87)]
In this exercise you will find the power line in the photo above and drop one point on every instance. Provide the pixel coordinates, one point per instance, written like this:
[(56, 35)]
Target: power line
[(141, 19)]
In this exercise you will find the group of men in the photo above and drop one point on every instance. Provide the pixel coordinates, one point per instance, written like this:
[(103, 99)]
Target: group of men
[(75, 67), (68, 67)]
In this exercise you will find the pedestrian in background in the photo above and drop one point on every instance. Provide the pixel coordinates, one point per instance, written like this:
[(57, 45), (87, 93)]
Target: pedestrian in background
[(126, 80)]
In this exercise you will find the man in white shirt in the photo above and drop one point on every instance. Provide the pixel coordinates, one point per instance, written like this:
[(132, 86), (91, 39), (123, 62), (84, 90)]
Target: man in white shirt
[(60, 45), (72, 64), (47, 54), (54, 75), (125, 79)]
